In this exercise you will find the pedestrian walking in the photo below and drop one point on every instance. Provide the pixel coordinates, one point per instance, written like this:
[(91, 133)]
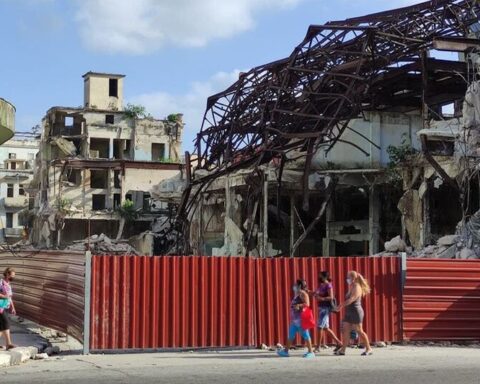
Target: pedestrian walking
[(300, 302), (324, 296), (357, 289), (6, 306)]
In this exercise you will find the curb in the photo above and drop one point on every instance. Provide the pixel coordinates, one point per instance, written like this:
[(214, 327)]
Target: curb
[(18, 355)]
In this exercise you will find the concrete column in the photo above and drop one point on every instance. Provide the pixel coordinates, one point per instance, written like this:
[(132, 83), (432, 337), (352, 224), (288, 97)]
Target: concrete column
[(110, 149), (373, 221), (328, 244), (110, 186)]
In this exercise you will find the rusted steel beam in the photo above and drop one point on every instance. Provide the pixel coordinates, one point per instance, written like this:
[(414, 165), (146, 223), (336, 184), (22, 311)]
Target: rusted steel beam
[(456, 44)]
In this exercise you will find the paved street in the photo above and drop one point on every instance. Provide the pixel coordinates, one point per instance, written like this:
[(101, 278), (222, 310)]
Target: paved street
[(391, 365)]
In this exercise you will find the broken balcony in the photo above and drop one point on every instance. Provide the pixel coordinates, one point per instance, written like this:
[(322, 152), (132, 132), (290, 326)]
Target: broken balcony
[(67, 124)]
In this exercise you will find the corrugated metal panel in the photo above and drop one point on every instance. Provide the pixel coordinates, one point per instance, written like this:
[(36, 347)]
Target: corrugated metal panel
[(275, 278), (194, 302), (49, 288), (171, 302), (441, 300)]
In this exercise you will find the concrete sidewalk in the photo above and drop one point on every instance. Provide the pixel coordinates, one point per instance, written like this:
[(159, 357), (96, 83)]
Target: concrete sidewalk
[(29, 344), (24, 336), (392, 365)]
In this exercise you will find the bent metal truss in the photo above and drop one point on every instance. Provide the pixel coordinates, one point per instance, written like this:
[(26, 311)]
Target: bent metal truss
[(339, 70)]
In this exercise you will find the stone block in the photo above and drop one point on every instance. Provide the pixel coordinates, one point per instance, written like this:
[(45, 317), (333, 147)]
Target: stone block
[(447, 240), (5, 359), (23, 352)]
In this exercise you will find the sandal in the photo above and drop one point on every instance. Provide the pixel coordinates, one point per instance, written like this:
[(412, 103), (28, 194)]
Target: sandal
[(367, 353), (10, 346), (338, 347)]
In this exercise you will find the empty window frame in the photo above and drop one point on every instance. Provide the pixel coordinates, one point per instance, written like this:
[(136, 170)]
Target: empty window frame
[(109, 119), (99, 148), (121, 149), (99, 179), (117, 181), (9, 190), (146, 202), (158, 152), (116, 200), (9, 219), (74, 176), (69, 122), (98, 202), (113, 87)]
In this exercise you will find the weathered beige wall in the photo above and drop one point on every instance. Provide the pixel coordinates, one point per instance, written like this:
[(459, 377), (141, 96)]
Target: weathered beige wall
[(145, 179), (150, 131), (96, 93)]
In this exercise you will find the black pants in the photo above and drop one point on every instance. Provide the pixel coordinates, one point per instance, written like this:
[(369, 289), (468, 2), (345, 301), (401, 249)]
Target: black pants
[(4, 321)]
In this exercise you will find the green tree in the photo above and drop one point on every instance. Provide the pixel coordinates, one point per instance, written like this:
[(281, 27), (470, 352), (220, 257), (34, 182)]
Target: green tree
[(127, 213)]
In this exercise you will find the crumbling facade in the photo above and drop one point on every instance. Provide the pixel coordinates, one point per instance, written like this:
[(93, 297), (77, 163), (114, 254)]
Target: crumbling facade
[(97, 164), (351, 140), (7, 120), (17, 157)]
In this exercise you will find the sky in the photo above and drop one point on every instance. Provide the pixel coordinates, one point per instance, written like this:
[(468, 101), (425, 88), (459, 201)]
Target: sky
[(174, 53)]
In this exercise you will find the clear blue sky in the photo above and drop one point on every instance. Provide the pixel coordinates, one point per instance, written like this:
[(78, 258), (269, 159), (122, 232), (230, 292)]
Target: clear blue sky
[(174, 52)]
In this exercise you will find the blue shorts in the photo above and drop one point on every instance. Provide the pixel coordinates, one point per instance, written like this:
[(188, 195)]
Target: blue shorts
[(323, 321), (294, 329)]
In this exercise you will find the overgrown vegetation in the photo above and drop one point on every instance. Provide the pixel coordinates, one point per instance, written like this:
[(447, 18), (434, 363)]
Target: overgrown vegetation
[(398, 156), (174, 117), (127, 213), (136, 111), (63, 205)]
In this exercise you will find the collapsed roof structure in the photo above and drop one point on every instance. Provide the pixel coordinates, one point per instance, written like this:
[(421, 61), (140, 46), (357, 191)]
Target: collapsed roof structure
[(340, 71)]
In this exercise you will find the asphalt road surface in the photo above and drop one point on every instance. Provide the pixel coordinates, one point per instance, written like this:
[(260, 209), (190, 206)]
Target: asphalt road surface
[(412, 365)]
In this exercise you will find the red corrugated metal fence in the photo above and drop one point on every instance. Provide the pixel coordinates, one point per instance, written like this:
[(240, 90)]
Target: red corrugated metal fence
[(441, 300), (275, 278), (49, 288), (192, 302), (171, 302)]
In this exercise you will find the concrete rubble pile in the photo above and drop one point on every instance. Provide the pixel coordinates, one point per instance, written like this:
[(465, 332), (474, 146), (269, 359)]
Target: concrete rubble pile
[(103, 245), (463, 245)]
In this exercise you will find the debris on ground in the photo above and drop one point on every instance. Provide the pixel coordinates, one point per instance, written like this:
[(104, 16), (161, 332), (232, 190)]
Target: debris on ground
[(103, 245)]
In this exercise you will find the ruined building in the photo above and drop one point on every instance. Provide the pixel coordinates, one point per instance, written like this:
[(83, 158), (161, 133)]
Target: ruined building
[(358, 136), (17, 157), (97, 164), (7, 120)]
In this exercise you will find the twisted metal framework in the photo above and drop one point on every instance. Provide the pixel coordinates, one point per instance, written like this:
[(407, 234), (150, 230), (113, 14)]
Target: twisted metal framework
[(338, 71)]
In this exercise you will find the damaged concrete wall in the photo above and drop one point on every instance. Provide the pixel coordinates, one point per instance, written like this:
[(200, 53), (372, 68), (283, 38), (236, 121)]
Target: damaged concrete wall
[(93, 159), (149, 132), (381, 128)]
